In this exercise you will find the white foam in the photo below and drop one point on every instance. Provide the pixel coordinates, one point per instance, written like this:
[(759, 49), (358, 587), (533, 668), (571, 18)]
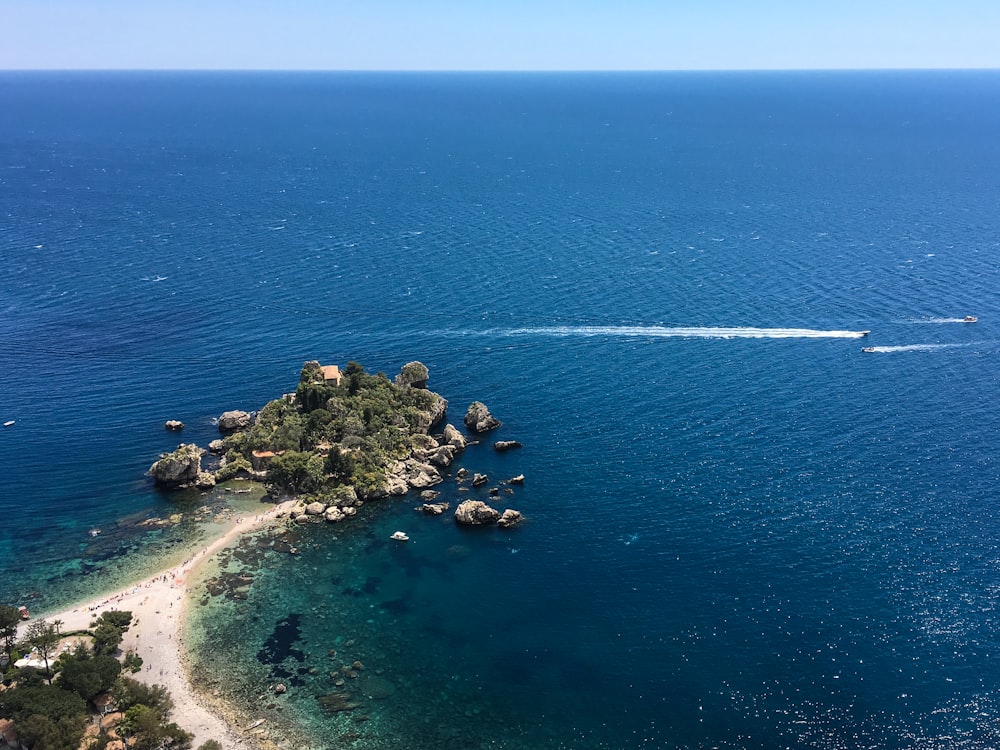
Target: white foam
[(740, 332), (912, 348)]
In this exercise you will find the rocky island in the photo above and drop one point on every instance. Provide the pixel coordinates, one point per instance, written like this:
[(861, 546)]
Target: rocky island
[(342, 438)]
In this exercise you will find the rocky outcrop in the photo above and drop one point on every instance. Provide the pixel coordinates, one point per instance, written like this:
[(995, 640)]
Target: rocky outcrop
[(427, 450), (231, 421), (509, 519), (433, 509), (182, 468), (519, 479), (217, 447), (478, 480), (501, 446), (315, 509), (205, 480), (479, 419), (439, 409), (413, 374), (476, 513), (454, 438), (174, 425)]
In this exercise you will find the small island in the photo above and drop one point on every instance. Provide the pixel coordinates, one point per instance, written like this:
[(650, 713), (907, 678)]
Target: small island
[(341, 439)]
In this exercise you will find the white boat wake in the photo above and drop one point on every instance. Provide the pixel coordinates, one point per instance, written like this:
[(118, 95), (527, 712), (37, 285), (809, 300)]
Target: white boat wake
[(910, 348), (740, 332)]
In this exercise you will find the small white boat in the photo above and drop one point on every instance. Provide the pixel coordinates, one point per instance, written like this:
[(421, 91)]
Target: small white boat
[(9, 423), (868, 349), (400, 536), (970, 319), (95, 532)]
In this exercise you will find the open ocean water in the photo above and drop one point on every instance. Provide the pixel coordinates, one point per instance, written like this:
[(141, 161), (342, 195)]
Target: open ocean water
[(744, 532)]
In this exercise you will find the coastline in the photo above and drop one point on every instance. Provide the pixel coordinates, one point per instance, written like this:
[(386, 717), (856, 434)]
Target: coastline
[(159, 606)]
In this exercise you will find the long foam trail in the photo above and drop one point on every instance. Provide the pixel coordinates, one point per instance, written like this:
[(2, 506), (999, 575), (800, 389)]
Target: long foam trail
[(912, 348), (688, 332)]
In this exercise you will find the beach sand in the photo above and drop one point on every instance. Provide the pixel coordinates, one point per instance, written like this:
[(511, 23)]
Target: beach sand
[(158, 605)]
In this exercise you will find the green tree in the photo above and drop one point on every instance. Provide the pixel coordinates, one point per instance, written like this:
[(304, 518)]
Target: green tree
[(296, 472), (42, 635), (339, 465), (89, 676), (10, 618), (120, 618), (128, 692), (146, 728), (132, 662), (107, 638), (109, 629), (45, 716), (38, 731)]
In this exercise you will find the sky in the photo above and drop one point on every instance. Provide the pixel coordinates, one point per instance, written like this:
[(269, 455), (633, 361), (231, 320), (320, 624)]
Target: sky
[(498, 34)]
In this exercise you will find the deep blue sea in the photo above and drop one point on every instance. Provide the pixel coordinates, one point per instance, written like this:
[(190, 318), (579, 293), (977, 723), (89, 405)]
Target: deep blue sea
[(743, 531)]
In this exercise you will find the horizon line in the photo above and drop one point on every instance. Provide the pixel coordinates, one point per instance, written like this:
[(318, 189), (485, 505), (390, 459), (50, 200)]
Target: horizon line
[(533, 71)]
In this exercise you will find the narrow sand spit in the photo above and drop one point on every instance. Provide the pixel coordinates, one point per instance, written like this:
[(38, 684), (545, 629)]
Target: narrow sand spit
[(157, 607)]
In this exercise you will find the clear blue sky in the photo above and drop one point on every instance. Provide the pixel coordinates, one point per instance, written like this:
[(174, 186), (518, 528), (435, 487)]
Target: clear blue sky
[(499, 34)]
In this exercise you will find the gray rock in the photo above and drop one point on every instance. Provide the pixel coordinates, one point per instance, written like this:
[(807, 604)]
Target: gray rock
[(476, 513), (454, 438), (181, 468), (501, 446), (217, 446), (231, 421), (479, 419), (205, 480), (433, 509), (174, 425), (478, 480), (510, 519), (315, 509)]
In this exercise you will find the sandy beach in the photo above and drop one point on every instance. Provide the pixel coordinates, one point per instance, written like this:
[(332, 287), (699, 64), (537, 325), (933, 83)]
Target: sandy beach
[(157, 605)]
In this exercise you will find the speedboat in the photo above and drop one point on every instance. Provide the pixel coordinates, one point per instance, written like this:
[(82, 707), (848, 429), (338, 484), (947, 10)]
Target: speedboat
[(865, 333), (400, 536), (9, 423), (868, 349), (969, 319)]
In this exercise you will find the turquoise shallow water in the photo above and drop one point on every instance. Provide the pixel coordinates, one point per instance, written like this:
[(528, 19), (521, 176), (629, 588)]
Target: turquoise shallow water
[(751, 537)]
